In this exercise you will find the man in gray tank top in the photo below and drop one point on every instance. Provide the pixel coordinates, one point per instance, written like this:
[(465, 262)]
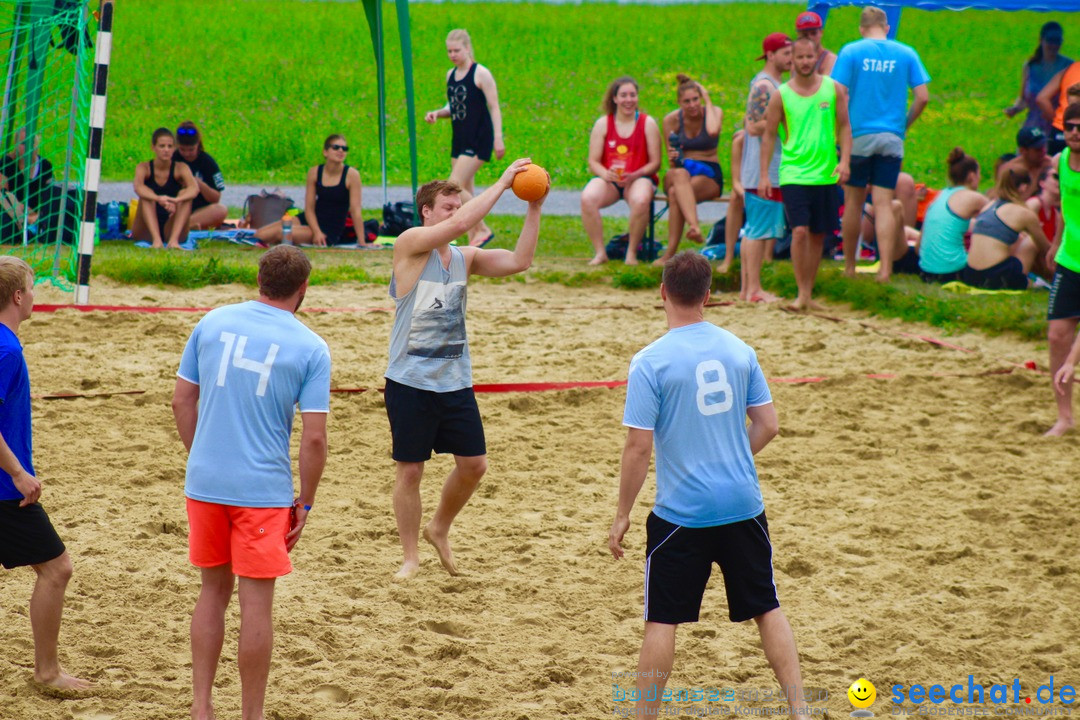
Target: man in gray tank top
[(429, 396)]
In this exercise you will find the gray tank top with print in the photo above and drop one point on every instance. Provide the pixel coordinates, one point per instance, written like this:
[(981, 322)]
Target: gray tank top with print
[(751, 156), (428, 346)]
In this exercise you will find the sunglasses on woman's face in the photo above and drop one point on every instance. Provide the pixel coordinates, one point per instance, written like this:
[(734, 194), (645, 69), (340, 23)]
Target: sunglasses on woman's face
[(187, 131), (1072, 126), (343, 148)]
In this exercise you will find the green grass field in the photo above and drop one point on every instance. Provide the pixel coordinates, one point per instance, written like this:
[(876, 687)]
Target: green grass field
[(267, 81)]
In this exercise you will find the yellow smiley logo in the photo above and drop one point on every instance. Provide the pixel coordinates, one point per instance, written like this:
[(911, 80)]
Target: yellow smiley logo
[(862, 695), (622, 149)]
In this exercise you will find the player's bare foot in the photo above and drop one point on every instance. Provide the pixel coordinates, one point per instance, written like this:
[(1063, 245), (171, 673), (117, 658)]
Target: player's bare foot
[(207, 714), (442, 545), (659, 262), (631, 259), (849, 271), (1060, 428), (63, 682), (724, 268), (882, 278), (408, 571), (694, 235), (762, 297), (598, 260), (801, 305)]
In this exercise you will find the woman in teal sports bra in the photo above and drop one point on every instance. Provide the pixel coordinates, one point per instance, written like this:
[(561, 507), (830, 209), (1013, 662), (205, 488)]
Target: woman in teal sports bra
[(999, 258)]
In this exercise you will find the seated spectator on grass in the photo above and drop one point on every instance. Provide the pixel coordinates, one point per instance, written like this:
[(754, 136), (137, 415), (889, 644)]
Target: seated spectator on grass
[(624, 155), (942, 256), (165, 189), (207, 211), (810, 25), (1037, 72), (333, 193), (1000, 257), (691, 135), (1031, 158), (1047, 203)]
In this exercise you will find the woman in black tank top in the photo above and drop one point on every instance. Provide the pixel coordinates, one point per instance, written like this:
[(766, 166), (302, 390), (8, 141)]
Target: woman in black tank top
[(333, 194), (472, 104), (165, 189), (691, 135)]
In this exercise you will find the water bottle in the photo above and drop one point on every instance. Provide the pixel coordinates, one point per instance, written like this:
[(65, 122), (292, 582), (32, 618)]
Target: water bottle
[(676, 144), (112, 219), (286, 232)]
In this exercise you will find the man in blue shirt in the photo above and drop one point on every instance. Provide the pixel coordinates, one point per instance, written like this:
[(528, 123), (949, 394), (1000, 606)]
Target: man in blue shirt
[(243, 372), (877, 73), (691, 392), (26, 535)]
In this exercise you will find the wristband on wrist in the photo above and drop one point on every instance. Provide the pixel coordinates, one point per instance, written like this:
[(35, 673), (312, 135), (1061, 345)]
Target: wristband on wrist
[(307, 508)]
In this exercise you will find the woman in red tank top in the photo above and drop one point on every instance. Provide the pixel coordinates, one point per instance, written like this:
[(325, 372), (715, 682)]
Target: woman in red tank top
[(624, 155), (1047, 202)]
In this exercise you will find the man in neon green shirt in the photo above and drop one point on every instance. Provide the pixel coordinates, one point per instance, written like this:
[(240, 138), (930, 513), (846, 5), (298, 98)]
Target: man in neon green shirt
[(813, 110), (1063, 312)]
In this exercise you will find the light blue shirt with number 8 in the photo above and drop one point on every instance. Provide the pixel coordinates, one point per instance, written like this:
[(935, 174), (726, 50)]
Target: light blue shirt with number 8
[(253, 364), (692, 388)]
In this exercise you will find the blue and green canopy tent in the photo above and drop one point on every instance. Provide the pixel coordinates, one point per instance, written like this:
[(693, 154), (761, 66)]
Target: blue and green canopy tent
[(373, 9), (893, 8)]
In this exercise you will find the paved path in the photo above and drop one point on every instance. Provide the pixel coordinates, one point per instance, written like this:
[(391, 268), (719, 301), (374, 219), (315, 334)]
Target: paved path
[(561, 202)]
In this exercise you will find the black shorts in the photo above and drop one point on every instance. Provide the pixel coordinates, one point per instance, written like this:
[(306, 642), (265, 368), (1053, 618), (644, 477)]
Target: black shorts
[(877, 170), (26, 535), (908, 263), (941, 278), (678, 562), (1064, 295), (1006, 275), (813, 206), (422, 421), (478, 144)]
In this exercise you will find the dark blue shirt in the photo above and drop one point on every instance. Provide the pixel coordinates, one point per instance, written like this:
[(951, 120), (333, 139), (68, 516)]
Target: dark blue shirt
[(14, 408)]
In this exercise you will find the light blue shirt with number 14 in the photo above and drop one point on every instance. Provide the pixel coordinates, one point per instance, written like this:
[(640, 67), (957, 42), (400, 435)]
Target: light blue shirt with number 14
[(253, 364), (692, 387)]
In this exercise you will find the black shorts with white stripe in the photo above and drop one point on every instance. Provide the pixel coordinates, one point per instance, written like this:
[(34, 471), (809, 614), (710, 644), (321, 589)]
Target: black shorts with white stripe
[(678, 562)]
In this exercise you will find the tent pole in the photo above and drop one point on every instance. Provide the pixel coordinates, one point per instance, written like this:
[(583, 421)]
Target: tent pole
[(410, 100)]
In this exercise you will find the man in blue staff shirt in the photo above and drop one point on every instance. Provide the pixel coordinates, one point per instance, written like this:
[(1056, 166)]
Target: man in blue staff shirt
[(877, 72)]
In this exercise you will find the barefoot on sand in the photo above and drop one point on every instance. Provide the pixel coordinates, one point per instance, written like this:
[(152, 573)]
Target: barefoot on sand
[(442, 546), (407, 572), (1060, 428), (62, 685), (805, 306)]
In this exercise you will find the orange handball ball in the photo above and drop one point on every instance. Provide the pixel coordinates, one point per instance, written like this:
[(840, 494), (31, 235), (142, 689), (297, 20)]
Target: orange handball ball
[(531, 183)]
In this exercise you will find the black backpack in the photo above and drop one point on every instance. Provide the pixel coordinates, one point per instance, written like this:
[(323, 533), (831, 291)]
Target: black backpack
[(397, 218)]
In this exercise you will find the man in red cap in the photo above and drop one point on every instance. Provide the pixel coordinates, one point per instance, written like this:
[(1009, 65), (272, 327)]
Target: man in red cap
[(810, 25), (764, 214)]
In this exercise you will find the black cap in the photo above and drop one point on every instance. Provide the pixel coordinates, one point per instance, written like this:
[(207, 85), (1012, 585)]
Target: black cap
[(1030, 137)]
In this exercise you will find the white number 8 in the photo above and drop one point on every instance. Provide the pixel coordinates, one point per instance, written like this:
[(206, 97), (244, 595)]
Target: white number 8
[(238, 360), (708, 387)]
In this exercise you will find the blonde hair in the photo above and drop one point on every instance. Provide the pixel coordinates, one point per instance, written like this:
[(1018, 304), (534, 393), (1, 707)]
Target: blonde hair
[(1008, 185), (461, 35), (873, 16), (14, 272)]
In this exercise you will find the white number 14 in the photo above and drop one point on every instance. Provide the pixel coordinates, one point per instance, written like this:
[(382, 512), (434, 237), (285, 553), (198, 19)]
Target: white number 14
[(238, 360)]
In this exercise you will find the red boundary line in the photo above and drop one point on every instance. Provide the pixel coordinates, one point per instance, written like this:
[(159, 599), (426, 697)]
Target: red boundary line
[(548, 386)]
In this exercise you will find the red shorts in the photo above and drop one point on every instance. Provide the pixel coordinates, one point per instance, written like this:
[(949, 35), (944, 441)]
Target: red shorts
[(252, 539)]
